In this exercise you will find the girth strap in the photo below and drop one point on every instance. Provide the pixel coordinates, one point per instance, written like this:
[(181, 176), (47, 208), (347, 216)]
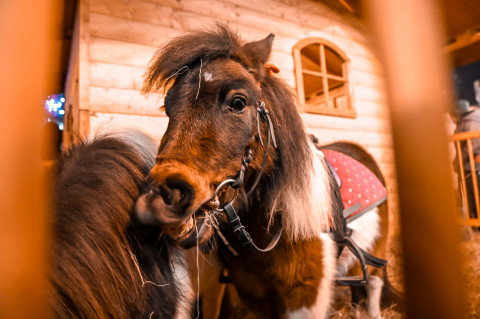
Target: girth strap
[(242, 234)]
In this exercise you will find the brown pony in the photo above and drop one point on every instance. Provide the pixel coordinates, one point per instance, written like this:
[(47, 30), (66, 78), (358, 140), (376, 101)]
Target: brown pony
[(105, 264), (235, 146)]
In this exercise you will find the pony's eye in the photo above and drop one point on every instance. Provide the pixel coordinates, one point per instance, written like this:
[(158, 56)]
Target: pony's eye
[(238, 104)]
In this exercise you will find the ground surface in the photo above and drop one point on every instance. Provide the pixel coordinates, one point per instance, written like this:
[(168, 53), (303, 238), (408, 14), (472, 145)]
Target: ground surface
[(470, 248)]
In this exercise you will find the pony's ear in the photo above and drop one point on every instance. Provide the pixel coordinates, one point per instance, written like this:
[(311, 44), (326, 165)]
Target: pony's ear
[(259, 51)]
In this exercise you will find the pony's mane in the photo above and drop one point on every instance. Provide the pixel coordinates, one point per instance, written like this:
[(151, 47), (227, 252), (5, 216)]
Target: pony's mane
[(301, 180), (304, 189), (101, 255)]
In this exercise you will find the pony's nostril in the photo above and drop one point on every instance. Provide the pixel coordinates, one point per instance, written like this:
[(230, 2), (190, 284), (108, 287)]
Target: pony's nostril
[(178, 195), (175, 192), (182, 192)]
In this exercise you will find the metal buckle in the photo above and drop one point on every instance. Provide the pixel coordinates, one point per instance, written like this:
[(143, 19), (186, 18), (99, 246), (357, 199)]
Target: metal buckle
[(214, 200)]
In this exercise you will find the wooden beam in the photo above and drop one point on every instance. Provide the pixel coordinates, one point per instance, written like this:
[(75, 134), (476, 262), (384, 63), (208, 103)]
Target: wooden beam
[(464, 39), (27, 64), (347, 6), (419, 93)]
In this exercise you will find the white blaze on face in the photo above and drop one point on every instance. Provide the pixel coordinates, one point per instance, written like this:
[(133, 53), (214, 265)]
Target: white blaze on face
[(208, 76)]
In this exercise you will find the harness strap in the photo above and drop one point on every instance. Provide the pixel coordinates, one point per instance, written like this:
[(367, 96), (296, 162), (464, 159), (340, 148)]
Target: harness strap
[(361, 281), (372, 260), (242, 234), (363, 257), (238, 229), (332, 170)]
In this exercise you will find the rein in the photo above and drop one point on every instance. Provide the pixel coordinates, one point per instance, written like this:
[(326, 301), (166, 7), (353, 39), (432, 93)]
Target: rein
[(238, 229)]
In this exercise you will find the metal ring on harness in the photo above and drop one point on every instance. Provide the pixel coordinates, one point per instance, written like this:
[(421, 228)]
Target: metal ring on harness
[(219, 187)]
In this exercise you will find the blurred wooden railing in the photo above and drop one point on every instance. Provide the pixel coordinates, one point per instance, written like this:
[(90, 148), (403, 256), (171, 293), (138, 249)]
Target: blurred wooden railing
[(458, 139)]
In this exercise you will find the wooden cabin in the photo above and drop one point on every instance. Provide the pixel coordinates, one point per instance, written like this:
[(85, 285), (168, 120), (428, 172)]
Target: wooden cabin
[(323, 49), (315, 47), (112, 43)]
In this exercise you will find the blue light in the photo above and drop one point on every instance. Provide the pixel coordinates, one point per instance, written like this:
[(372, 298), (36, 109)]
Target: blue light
[(54, 106)]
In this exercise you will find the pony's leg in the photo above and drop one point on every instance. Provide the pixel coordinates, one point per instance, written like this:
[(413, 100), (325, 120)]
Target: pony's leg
[(370, 234), (232, 306), (358, 294), (211, 291), (374, 294)]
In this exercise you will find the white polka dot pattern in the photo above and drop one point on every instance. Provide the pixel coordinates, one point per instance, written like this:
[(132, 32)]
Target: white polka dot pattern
[(359, 184)]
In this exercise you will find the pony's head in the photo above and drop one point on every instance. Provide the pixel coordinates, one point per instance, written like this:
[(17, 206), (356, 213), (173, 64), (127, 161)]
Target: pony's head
[(214, 85)]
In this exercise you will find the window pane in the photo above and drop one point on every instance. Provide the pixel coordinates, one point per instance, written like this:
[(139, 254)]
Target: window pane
[(311, 57), (334, 84), (313, 86), (334, 62), (337, 92), (322, 71)]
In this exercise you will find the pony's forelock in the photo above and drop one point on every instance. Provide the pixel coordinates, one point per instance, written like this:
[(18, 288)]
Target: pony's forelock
[(184, 52)]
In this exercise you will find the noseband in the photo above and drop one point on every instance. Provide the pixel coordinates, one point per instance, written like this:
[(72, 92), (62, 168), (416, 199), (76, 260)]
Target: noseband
[(230, 212)]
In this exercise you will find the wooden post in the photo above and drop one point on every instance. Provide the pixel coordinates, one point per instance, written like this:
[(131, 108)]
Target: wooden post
[(26, 40), (410, 44)]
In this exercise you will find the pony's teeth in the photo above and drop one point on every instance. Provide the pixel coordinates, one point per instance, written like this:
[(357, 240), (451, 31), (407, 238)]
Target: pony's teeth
[(190, 223), (186, 228)]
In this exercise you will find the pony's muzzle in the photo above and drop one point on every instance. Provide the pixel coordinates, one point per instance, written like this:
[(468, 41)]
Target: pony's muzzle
[(166, 203), (174, 193)]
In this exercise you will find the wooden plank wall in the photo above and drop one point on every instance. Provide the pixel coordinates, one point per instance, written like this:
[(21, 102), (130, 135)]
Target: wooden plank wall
[(119, 37)]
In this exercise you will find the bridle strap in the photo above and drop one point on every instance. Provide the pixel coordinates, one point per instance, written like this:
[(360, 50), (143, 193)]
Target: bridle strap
[(232, 216), (262, 111), (247, 158), (242, 234)]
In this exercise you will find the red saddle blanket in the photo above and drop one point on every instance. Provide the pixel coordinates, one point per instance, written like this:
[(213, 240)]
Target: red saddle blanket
[(360, 189)]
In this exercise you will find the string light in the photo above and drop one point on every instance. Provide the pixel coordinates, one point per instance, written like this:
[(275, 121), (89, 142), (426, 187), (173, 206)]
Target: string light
[(54, 106)]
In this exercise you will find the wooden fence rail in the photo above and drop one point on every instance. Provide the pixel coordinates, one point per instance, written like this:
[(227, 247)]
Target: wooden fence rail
[(460, 140)]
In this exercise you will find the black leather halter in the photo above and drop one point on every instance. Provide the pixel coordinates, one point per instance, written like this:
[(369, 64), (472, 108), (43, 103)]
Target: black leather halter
[(238, 229)]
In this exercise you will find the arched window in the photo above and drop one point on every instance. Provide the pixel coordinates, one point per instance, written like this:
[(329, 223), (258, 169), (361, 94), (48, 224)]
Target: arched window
[(322, 75)]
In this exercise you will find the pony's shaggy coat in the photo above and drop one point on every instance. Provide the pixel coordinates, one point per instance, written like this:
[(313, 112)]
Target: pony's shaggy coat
[(105, 264), (207, 135)]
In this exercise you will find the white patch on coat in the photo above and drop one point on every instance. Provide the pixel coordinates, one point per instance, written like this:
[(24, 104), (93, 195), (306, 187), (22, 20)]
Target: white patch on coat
[(325, 291), (187, 298), (208, 76), (366, 230)]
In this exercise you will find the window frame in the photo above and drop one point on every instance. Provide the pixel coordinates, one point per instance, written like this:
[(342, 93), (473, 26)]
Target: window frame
[(330, 109)]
